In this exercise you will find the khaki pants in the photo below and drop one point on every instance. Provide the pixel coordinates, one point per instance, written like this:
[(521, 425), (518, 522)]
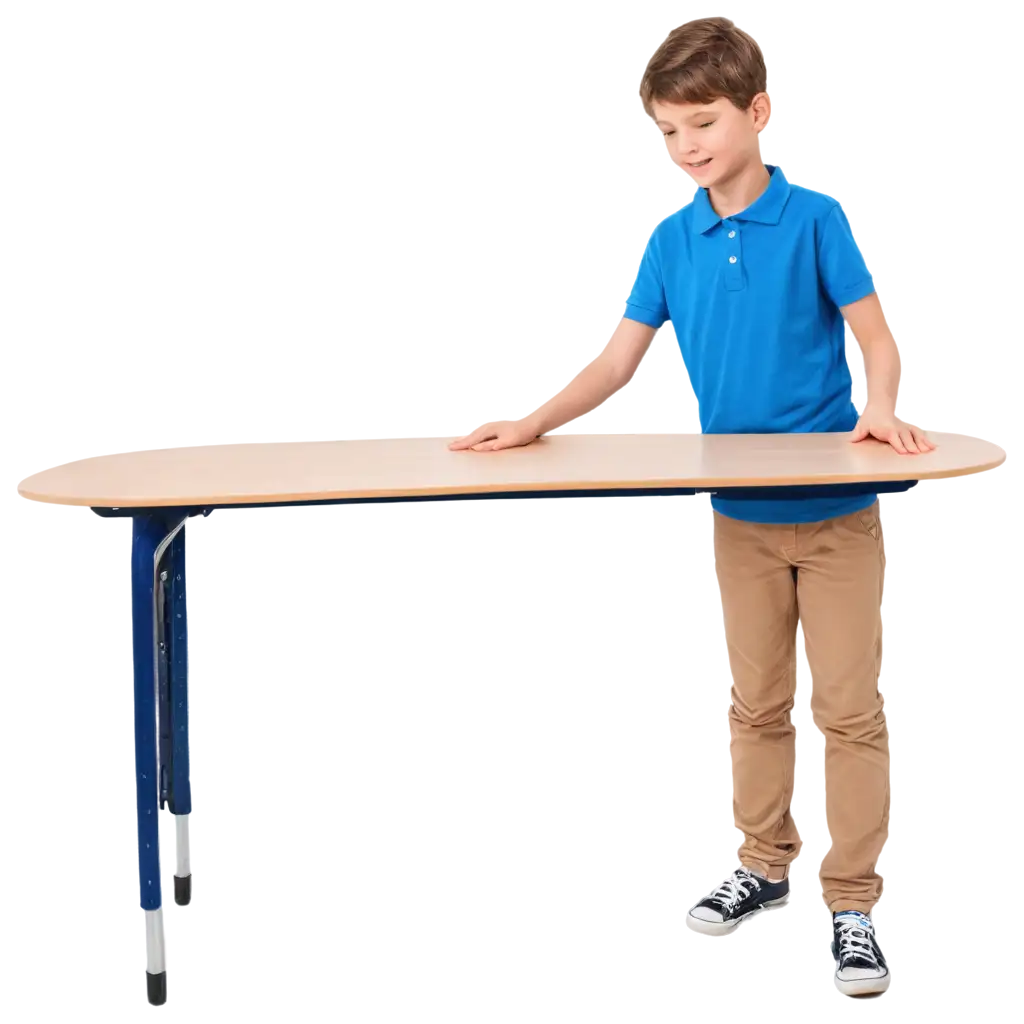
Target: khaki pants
[(829, 576)]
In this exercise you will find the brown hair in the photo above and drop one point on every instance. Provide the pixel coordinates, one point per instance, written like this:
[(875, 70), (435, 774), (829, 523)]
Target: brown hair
[(702, 60)]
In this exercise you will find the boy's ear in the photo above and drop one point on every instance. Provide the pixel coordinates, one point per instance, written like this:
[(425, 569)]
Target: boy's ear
[(764, 108)]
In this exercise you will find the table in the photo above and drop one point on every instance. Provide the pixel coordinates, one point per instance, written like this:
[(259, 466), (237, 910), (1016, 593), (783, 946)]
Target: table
[(161, 489)]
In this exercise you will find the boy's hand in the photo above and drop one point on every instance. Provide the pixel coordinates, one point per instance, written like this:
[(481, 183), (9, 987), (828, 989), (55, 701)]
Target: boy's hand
[(884, 425), (492, 436)]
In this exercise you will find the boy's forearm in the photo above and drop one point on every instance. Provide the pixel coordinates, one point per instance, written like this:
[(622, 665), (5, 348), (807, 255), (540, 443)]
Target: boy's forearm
[(882, 369), (587, 390), (879, 351), (610, 366)]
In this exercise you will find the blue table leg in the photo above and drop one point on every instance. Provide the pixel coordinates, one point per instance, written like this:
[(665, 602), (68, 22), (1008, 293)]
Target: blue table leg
[(152, 535), (174, 780), (130, 711)]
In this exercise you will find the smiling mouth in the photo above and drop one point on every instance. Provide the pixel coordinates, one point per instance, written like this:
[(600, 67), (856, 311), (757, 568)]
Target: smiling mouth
[(700, 163)]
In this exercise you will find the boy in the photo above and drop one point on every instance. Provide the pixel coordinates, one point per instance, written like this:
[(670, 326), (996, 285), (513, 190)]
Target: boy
[(757, 276)]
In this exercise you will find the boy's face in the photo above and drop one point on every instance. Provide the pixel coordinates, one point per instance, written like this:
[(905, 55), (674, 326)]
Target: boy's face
[(716, 132)]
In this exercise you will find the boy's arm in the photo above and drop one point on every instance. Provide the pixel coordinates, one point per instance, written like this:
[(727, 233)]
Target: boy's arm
[(598, 380), (610, 366), (882, 368)]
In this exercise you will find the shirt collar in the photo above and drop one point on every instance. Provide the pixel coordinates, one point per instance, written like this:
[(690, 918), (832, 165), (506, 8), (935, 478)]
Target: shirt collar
[(766, 208)]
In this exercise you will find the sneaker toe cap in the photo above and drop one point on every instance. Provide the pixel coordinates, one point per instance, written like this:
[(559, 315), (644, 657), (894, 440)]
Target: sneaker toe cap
[(859, 973), (707, 914)]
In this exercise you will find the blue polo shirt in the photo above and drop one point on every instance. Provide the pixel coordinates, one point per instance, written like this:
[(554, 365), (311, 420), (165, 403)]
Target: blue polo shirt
[(754, 300)]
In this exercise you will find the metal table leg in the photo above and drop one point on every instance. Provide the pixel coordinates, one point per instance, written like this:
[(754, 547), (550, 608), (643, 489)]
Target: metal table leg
[(173, 716), (161, 728)]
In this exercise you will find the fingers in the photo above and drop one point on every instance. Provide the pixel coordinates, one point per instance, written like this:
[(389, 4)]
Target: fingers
[(471, 440), (495, 442), (911, 440), (497, 436), (897, 443), (906, 437), (923, 442)]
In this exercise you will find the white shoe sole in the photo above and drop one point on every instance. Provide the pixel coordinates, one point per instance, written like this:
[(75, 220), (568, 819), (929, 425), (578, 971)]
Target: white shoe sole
[(723, 927), (863, 986)]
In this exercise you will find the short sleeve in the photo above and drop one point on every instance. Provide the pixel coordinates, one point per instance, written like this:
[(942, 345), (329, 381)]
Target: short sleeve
[(646, 302), (841, 267)]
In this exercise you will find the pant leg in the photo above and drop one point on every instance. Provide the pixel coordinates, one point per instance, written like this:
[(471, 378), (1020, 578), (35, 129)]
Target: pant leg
[(841, 568), (758, 589)]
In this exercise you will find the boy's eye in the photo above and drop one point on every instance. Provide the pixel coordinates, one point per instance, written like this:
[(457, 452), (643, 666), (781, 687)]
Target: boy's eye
[(706, 124)]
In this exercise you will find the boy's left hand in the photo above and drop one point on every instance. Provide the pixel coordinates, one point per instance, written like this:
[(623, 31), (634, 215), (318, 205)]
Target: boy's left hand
[(886, 426)]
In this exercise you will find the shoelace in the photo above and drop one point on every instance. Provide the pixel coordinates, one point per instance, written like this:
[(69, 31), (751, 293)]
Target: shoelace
[(732, 890), (855, 941)]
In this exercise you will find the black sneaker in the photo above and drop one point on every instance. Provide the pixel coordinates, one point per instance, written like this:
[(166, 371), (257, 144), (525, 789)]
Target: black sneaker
[(860, 967), (740, 896)]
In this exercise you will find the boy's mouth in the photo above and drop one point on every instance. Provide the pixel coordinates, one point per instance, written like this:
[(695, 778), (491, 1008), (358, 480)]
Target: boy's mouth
[(701, 163)]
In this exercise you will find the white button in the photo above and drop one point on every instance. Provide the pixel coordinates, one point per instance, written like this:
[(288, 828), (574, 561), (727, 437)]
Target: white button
[(732, 259), (732, 234)]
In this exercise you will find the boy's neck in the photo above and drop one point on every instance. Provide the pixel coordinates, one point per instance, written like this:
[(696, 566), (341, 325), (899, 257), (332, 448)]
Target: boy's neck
[(737, 192)]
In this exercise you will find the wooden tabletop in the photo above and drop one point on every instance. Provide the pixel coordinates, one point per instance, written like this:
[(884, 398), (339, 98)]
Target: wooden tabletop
[(295, 471)]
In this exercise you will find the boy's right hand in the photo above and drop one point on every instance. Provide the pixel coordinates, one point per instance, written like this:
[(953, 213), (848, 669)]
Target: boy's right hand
[(492, 436)]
